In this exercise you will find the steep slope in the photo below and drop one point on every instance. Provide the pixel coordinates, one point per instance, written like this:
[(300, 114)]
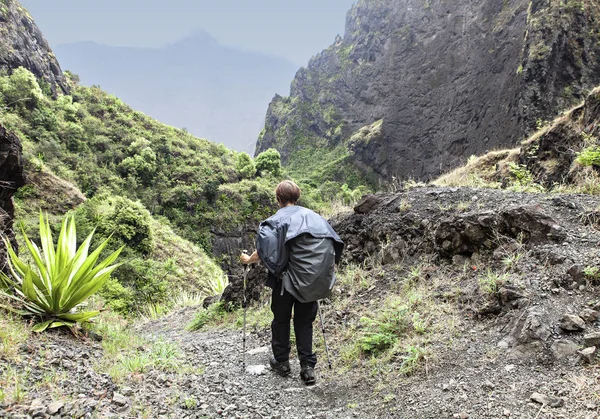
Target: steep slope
[(214, 91), (23, 45), (562, 155), (11, 178), (158, 190), (433, 82)]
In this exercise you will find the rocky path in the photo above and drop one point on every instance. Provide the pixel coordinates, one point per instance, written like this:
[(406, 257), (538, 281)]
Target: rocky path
[(224, 389), (470, 379)]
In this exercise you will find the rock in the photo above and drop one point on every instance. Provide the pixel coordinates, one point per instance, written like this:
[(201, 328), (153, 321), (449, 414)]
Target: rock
[(506, 412), (55, 407), (589, 315), (119, 399), (23, 45), (367, 204), (576, 272), (564, 348), (572, 323), (368, 74), (489, 385), (588, 355), (508, 293), (37, 408), (547, 400), (533, 327), (531, 222), (11, 178), (127, 391), (592, 339)]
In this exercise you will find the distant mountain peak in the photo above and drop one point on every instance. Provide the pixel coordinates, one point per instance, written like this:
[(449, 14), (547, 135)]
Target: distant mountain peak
[(198, 37)]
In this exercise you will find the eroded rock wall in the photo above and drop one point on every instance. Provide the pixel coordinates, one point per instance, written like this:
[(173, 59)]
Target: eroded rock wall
[(448, 80), (11, 178)]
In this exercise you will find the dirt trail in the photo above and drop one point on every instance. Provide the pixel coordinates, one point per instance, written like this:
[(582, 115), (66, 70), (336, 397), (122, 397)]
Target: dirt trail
[(225, 390)]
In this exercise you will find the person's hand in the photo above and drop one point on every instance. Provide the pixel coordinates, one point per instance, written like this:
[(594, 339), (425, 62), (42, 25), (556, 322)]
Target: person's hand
[(245, 258)]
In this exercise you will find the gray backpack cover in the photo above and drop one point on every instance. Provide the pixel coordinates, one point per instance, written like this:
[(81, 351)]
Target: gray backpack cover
[(310, 273)]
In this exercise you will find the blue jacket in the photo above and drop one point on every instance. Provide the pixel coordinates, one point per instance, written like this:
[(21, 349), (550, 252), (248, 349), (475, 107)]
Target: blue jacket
[(275, 233)]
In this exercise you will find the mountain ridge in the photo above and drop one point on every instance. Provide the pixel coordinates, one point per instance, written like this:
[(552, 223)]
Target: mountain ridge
[(447, 81), (215, 91)]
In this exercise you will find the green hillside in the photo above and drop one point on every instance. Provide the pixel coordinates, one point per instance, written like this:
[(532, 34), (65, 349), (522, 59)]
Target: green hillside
[(157, 189)]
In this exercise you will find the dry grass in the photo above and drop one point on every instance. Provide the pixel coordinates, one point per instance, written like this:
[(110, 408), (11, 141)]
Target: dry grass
[(13, 333), (483, 171), (405, 320)]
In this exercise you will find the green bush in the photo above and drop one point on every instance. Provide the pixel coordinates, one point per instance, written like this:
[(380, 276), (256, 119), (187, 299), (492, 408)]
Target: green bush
[(21, 90), (589, 156), (118, 297), (269, 161), (128, 223), (382, 332), (245, 165)]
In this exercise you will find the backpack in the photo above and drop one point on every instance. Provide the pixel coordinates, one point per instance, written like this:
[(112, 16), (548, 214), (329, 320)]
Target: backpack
[(310, 272)]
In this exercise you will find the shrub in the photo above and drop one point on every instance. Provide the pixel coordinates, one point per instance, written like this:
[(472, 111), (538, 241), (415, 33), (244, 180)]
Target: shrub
[(589, 156), (62, 277), (245, 166), (269, 161), (119, 298), (129, 223), (21, 89)]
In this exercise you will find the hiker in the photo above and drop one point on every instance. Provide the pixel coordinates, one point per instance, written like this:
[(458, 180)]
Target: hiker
[(299, 248)]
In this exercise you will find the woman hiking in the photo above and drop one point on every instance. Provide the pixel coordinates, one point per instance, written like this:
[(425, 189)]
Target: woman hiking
[(300, 249)]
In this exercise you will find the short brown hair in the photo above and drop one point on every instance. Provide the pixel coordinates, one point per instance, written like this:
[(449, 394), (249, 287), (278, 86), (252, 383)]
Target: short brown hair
[(287, 192)]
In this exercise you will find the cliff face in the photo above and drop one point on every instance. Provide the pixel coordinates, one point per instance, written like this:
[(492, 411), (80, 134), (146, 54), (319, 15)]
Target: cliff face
[(11, 178), (23, 45), (439, 80)]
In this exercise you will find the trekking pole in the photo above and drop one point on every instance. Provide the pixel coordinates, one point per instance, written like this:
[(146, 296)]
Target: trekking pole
[(246, 269), (323, 330)]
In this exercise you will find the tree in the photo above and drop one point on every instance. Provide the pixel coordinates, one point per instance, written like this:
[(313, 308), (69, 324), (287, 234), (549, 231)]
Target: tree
[(245, 165), (21, 89), (269, 161)]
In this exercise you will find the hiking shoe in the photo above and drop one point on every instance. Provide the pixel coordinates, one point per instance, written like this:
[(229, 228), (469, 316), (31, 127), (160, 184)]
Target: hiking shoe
[(307, 373), (281, 368)]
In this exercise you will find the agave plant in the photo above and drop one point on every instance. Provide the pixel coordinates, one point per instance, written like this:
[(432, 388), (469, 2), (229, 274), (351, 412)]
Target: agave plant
[(60, 279)]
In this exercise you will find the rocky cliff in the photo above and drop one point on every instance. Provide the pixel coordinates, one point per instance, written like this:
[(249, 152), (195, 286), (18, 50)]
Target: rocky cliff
[(413, 87), (11, 178), (23, 45)]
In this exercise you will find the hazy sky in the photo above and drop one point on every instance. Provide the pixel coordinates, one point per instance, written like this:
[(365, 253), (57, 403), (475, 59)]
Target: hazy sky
[(294, 29)]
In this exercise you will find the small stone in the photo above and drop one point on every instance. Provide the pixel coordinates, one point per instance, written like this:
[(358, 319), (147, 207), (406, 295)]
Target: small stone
[(54, 407), (489, 385), (592, 339), (127, 391), (564, 348), (506, 412), (461, 415), (36, 408), (591, 406), (445, 387), (576, 272), (119, 399), (588, 355), (589, 315), (572, 323), (547, 400)]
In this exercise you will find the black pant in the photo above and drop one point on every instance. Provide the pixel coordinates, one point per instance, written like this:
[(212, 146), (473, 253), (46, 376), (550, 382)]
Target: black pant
[(304, 316)]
